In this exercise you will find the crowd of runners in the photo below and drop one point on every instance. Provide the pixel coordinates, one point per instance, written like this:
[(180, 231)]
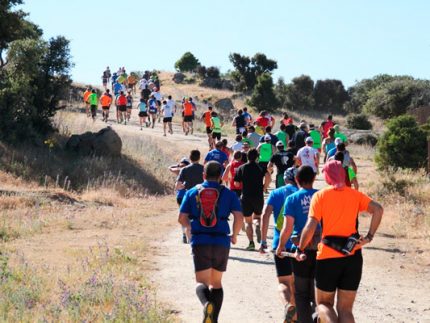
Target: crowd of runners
[(316, 244)]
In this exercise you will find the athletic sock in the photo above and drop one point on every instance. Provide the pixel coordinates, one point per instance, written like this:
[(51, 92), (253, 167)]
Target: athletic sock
[(217, 295), (203, 293)]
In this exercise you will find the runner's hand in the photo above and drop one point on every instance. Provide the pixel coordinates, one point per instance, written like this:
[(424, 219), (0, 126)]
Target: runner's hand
[(233, 239), (363, 241), (300, 256), (279, 251)]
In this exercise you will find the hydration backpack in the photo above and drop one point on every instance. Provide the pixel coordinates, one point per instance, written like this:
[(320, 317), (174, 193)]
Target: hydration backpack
[(207, 203)]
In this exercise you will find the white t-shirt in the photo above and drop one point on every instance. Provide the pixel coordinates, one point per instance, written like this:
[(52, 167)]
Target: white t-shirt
[(307, 156), (157, 96), (142, 84), (167, 111), (171, 103), (237, 146)]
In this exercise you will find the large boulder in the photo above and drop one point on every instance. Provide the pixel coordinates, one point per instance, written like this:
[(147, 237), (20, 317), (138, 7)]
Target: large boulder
[(106, 142), (178, 78), (364, 138), (225, 105)]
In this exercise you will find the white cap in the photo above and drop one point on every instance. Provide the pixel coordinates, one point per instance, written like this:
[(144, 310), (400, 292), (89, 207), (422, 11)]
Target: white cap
[(309, 139), (267, 137), (338, 141)]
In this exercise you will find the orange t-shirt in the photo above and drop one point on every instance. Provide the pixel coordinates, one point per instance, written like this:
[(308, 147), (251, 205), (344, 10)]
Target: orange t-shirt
[(188, 109), (86, 95), (207, 118), (105, 100), (338, 209)]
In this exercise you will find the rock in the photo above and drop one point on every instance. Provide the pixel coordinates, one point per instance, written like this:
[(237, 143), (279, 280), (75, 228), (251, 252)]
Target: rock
[(227, 85), (364, 139), (225, 105), (178, 78), (106, 142), (211, 82)]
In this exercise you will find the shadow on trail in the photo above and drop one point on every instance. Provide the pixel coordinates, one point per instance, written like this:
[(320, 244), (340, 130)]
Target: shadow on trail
[(391, 250), (252, 261)]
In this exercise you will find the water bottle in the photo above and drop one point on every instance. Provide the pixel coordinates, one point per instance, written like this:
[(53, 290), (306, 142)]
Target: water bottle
[(350, 244)]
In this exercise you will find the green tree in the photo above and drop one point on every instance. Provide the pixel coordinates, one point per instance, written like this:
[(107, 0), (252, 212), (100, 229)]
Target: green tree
[(248, 69), (263, 96), (300, 93), (403, 145), (329, 95), (187, 63), (358, 121)]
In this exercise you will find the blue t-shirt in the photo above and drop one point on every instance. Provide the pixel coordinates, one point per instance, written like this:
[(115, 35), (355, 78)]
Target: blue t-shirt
[(217, 155), (330, 146), (219, 234), (297, 205), (117, 88), (180, 193), (276, 200), (331, 152), (142, 107)]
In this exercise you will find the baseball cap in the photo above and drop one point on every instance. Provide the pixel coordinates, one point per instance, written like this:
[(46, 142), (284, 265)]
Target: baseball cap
[(309, 139), (184, 161), (267, 137), (311, 126), (338, 141), (290, 174), (279, 144)]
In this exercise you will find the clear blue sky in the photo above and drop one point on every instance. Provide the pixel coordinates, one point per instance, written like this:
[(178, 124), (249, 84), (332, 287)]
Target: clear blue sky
[(344, 39)]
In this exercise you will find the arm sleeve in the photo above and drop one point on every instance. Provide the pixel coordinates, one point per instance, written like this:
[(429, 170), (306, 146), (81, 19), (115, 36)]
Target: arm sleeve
[(270, 199), (364, 202), (315, 210), (207, 157), (289, 207)]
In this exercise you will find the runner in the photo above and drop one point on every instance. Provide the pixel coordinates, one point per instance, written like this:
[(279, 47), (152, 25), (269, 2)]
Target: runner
[(216, 126), (129, 105), (266, 151), (316, 137), (121, 102), (105, 77), (295, 215), (282, 135), (238, 144), (239, 122), (153, 110), (300, 136), (131, 82), (245, 149), (211, 245), (326, 126), (206, 118), (308, 156), (350, 176), (225, 148), (328, 143), (143, 85), (275, 206), (338, 134), (188, 116), (286, 120), (230, 173), (253, 136), (176, 169), (172, 104), (248, 117), (273, 138), (282, 159), (338, 273), (194, 114), (255, 181), (189, 177), (245, 138), (93, 101), (143, 113), (158, 97), (167, 112), (86, 95), (106, 102), (291, 129), (114, 79), (261, 123), (217, 155)]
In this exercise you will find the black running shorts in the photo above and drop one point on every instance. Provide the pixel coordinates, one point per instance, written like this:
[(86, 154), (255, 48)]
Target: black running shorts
[(165, 120), (188, 118), (252, 205), (208, 130), (143, 114), (122, 108), (210, 256), (283, 266), (216, 135), (105, 108), (339, 273), (306, 268)]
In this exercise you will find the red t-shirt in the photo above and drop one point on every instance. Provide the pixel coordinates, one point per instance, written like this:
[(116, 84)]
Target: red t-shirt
[(262, 122), (233, 168), (326, 127)]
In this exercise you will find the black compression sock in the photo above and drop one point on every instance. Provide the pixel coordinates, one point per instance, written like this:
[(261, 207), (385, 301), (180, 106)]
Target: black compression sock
[(203, 293), (217, 295)]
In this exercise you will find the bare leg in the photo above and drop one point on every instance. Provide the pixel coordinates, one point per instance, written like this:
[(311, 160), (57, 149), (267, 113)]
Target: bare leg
[(325, 301), (345, 302), (248, 228)]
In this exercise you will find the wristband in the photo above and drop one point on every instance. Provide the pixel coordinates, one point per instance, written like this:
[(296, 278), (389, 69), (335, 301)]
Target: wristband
[(369, 237), (299, 250), (264, 242)]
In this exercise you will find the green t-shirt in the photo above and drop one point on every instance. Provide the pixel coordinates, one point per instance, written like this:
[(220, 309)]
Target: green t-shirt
[(316, 137), (351, 174), (265, 152), (282, 136), (248, 141), (92, 99), (216, 124), (341, 136)]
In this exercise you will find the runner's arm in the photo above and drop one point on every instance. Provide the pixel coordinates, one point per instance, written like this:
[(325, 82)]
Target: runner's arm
[(376, 210), (354, 183), (237, 225), (225, 176), (353, 165), (268, 209), (270, 167), (285, 234), (307, 233), (267, 180), (185, 222)]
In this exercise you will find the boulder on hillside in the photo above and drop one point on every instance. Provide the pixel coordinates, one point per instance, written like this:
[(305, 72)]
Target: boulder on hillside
[(178, 78), (225, 105), (364, 139), (106, 142), (227, 85), (213, 83)]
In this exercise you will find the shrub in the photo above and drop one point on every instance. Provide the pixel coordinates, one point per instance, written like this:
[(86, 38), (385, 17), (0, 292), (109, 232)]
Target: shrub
[(358, 121), (263, 96), (187, 63), (403, 145)]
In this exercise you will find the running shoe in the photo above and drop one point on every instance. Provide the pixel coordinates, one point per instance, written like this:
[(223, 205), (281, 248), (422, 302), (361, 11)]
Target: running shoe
[(258, 233), (184, 238), (289, 312), (251, 246), (208, 313)]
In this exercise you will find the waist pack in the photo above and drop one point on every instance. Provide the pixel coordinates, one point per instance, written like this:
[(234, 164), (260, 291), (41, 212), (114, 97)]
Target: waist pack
[(344, 245), (207, 204)]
